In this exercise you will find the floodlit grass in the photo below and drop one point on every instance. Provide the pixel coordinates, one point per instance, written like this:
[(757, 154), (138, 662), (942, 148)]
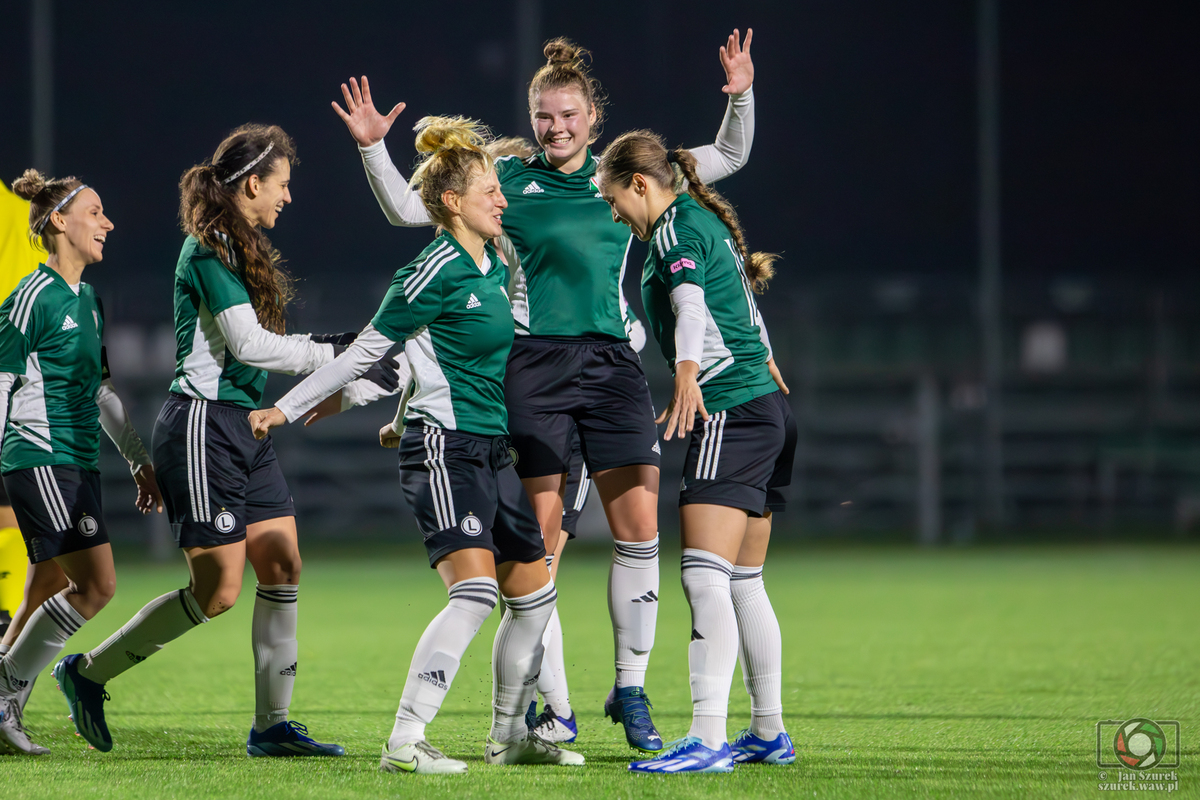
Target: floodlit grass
[(950, 674)]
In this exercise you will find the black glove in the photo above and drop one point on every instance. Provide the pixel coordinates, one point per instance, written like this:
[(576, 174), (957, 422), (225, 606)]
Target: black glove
[(383, 374), (338, 339)]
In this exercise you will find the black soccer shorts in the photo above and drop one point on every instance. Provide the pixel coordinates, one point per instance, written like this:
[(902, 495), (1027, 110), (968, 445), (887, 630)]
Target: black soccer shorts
[(575, 494), (465, 494), (742, 457), (215, 477), (596, 386), (58, 508)]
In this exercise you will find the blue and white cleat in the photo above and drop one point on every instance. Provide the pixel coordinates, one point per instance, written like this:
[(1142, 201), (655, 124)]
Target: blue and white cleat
[(631, 708), (749, 749), (687, 755), (288, 739), (554, 728), (86, 699)]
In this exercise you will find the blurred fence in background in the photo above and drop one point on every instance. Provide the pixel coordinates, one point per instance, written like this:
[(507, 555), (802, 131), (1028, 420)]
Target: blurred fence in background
[(1101, 417)]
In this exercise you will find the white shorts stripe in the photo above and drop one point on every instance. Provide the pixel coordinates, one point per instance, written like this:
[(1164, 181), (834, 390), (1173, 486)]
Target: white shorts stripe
[(446, 478), (56, 494), (715, 450), (585, 485), (56, 516), (196, 460), (204, 461), (191, 446), (435, 478), (703, 447)]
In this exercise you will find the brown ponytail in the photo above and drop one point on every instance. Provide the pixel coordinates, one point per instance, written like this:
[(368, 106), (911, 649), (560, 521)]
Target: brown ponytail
[(43, 195), (643, 153), (566, 67), (208, 207)]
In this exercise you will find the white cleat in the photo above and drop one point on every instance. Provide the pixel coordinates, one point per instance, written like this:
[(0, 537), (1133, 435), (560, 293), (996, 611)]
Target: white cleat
[(13, 737), (532, 749), (420, 758)]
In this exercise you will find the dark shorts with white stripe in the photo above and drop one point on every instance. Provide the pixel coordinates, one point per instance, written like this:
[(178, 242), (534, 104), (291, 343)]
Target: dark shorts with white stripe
[(595, 386), (465, 494), (579, 484), (215, 477), (58, 509), (742, 457)]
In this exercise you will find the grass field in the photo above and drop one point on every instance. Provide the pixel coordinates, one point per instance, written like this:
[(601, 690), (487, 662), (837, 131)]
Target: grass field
[(945, 674)]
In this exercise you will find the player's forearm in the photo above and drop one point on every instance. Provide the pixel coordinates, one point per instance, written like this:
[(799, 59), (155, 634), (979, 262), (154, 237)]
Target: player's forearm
[(255, 346), (363, 391), (731, 150), (369, 347), (115, 421), (691, 320), (401, 204)]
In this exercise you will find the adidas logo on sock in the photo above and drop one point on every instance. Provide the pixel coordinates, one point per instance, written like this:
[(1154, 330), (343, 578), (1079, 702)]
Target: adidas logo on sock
[(532, 680), (134, 657), (473, 302), (656, 448), (291, 671), (648, 597), (435, 676), (533, 188), (696, 635), (69, 324)]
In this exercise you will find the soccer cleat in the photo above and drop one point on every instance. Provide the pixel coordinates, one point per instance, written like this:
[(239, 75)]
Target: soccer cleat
[(687, 755), (749, 749), (631, 707), (288, 739), (86, 699), (533, 749), (420, 758), (13, 736), (553, 728)]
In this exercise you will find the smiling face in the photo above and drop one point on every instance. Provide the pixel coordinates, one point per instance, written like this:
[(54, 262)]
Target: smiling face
[(479, 210), (562, 124), (263, 197), (83, 228), (629, 205)]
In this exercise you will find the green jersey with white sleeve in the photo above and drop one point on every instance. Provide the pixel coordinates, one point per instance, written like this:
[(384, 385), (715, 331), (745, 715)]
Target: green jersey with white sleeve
[(692, 247)]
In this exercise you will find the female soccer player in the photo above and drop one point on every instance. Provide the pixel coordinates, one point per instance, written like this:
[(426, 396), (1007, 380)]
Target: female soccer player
[(698, 289), (225, 494), (53, 364), (571, 367), (450, 309)]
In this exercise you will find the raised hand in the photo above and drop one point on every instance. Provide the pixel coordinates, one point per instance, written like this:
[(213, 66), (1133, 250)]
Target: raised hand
[(735, 58), (366, 124)]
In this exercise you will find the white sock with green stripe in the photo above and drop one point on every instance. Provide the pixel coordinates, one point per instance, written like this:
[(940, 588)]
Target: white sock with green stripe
[(437, 657), (273, 636), (40, 642), (633, 606), (760, 648), (517, 660), (162, 620)]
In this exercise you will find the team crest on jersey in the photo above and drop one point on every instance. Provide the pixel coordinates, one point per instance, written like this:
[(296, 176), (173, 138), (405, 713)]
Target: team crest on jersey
[(471, 525), (596, 186), (88, 525), (683, 263), (473, 302), (69, 324), (533, 188)]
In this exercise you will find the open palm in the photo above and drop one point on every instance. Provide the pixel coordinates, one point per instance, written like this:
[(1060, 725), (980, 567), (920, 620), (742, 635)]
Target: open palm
[(735, 58), (366, 124)]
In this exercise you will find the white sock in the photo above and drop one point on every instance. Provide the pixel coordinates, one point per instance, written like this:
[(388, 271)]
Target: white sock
[(164, 619), (4, 648), (633, 606), (273, 637), (438, 654), (760, 650), (553, 681), (712, 654), (40, 642), (517, 660)]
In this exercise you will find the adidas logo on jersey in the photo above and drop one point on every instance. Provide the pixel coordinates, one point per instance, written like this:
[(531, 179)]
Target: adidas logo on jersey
[(533, 188), (69, 324), (473, 302), (435, 676)]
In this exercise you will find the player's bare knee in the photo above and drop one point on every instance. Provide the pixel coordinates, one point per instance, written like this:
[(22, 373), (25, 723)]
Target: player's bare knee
[(223, 598)]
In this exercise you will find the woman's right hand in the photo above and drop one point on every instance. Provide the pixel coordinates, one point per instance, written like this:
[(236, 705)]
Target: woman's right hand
[(366, 124), (388, 437)]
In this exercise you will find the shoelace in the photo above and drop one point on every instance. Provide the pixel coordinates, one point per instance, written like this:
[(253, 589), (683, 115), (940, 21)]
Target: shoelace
[(12, 708), (428, 749), (675, 747), (638, 706), (295, 727), (551, 746)]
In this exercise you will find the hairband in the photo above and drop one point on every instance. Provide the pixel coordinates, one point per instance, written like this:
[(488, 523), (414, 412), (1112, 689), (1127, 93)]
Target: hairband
[(61, 203), (672, 158), (249, 166)]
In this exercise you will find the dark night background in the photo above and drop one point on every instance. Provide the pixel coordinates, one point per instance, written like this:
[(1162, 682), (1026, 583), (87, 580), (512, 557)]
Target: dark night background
[(864, 161)]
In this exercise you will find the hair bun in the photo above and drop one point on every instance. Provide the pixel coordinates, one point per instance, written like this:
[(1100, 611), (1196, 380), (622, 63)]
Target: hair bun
[(435, 134), (563, 51), (29, 185)]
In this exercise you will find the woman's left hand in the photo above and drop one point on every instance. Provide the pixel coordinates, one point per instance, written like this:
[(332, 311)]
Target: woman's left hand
[(686, 403), (148, 497), (735, 58), (776, 376), (263, 419)]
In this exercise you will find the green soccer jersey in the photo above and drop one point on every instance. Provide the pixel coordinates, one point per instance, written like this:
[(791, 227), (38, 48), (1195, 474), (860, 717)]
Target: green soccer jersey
[(572, 253), (456, 323), (204, 366), (50, 337), (692, 245)]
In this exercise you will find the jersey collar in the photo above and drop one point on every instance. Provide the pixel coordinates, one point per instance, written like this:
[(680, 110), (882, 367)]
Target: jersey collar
[(586, 171), (489, 252), (680, 200)]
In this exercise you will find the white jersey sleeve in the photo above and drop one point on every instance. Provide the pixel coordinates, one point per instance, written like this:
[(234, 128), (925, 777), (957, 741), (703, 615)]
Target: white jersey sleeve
[(401, 203), (115, 421), (255, 346), (731, 150), (691, 318), (369, 347)]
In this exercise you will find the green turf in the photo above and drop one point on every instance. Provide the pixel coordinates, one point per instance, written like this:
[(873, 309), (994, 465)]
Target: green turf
[(942, 674)]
